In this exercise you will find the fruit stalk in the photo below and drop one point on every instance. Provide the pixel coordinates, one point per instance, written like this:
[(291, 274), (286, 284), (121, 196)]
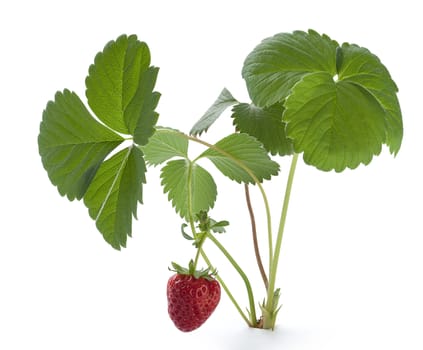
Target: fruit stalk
[(252, 311), (226, 289)]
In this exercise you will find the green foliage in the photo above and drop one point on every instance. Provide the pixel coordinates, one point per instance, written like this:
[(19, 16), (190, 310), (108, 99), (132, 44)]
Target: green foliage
[(207, 224), (237, 152), (72, 144), (182, 179), (165, 144), (362, 69), (114, 193), (187, 182), (335, 104), (335, 124), (265, 124), (77, 150), (120, 88), (224, 100), (340, 101), (279, 62)]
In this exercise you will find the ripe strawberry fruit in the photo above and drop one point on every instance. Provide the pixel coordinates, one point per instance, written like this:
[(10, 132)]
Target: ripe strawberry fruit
[(192, 298)]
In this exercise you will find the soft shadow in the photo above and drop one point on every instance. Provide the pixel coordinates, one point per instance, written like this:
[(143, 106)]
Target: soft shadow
[(280, 338)]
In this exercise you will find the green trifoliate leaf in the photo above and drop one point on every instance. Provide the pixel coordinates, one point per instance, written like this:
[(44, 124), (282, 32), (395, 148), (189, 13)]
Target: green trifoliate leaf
[(120, 88), (186, 182), (224, 101), (72, 144), (237, 154), (114, 194), (335, 124), (279, 62), (165, 144), (265, 124)]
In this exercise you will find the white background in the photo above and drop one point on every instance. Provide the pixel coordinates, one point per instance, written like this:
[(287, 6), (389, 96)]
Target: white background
[(351, 264)]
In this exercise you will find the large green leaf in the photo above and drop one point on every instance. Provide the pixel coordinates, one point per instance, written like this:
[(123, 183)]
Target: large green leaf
[(114, 193), (183, 179), (340, 101), (120, 88), (335, 124), (236, 153), (265, 124), (72, 144), (224, 100), (165, 144), (279, 62)]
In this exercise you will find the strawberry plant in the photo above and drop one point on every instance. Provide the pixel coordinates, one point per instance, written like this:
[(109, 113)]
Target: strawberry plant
[(333, 104)]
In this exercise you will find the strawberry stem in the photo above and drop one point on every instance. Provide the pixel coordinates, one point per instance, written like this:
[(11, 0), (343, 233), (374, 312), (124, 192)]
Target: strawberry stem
[(189, 201), (252, 311), (201, 252), (226, 289), (271, 308), (199, 248), (255, 240), (256, 181)]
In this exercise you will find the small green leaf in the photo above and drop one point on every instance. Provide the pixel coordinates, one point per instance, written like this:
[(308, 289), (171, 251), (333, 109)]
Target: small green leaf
[(114, 193), (72, 144), (120, 88), (278, 63), (181, 178), (336, 125), (218, 227), (207, 224), (236, 152), (184, 234), (265, 124), (224, 101), (165, 144)]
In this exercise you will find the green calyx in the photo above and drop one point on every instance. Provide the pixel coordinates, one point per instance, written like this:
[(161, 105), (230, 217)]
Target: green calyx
[(191, 271)]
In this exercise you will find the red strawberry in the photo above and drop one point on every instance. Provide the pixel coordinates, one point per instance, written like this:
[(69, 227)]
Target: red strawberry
[(191, 299)]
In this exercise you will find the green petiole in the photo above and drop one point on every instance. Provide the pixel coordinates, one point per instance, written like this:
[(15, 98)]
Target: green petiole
[(226, 289), (253, 318), (269, 322)]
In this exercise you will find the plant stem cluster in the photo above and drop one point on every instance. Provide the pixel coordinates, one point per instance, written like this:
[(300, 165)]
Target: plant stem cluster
[(270, 307)]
